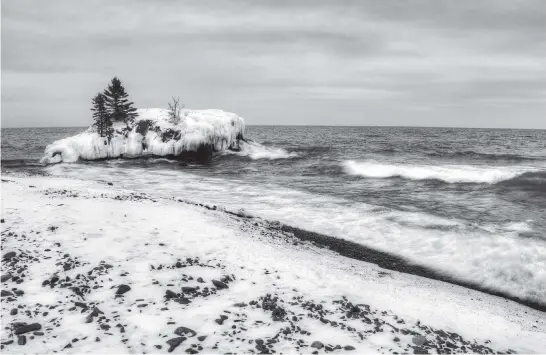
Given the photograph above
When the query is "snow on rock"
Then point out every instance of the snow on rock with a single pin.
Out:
(198, 131)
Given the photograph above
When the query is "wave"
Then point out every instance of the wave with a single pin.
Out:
(464, 154)
(18, 163)
(445, 173)
(529, 181)
(256, 151)
(163, 160)
(470, 154)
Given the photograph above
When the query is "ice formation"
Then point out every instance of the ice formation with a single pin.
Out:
(198, 131)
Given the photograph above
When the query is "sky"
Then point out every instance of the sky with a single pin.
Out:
(463, 63)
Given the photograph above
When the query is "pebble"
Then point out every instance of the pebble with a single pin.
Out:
(25, 328)
(123, 289)
(187, 289)
(219, 284)
(174, 342)
(182, 300)
(9, 255)
(317, 345)
(419, 340)
(185, 331)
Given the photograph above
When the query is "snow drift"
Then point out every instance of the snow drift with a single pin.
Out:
(199, 131)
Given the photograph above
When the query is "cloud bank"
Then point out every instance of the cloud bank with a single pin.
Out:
(426, 63)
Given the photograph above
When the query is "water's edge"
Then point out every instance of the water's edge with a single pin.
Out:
(382, 259)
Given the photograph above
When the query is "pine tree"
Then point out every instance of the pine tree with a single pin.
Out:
(117, 102)
(103, 123)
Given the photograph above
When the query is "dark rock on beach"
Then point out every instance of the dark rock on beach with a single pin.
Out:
(9, 255)
(317, 345)
(221, 320)
(182, 300)
(419, 340)
(123, 289)
(174, 343)
(21, 340)
(219, 284)
(186, 289)
(25, 328)
(80, 304)
(185, 332)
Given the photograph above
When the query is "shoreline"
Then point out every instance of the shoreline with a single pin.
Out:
(380, 258)
(240, 284)
(392, 262)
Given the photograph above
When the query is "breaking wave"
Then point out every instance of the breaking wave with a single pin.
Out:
(461, 155)
(256, 151)
(446, 173)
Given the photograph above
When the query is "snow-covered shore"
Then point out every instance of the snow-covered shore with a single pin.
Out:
(153, 134)
(203, 280)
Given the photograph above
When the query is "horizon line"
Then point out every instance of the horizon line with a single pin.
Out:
(319, 125)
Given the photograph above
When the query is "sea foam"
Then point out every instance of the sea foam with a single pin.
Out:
(256, 151)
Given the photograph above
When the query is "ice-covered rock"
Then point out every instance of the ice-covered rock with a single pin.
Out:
(152, 134)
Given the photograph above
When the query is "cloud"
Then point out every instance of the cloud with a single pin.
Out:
(281, 62)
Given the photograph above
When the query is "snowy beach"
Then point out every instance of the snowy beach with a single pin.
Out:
(92, 267)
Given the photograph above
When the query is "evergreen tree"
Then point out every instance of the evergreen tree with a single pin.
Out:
(117, 102)
(103, 123)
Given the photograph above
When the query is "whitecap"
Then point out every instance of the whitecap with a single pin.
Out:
(256, 151)
(446, 173)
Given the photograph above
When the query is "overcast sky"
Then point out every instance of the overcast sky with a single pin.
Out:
(473, 63)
